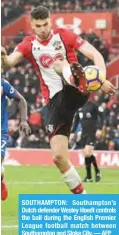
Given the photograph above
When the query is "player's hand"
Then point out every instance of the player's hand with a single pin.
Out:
(24, 128)
(3, 52)
(108, 87)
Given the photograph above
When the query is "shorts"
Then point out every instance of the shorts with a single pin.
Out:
(87, 139)
(61, 109)
(4, 140)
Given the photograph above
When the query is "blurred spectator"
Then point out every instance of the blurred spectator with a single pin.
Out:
(12, 109)
(20, 36)
(107, 138)
(44, 141)
(13, 132)
(97, 43)
(24, 79)
(32, 96)
(101, 143)
(35, 119)
(11, 9)
(36, 140)
(31, 142)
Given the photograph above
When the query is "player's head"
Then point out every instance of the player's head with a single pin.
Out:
(41, 22)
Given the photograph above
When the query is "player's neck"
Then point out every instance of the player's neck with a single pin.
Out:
(45, 40)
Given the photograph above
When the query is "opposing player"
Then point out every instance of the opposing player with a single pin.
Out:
(88, 116)
(7, 91)
(62, 81)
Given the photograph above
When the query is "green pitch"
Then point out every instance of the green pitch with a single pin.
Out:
(46, 180)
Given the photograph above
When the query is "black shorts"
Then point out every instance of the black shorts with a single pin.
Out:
(61, 109)
(87, 139)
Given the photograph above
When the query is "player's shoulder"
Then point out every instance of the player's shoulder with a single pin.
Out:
(69, 37)
(25, 46)
(29, 39)
(4, 82)
(4, 86)
(63, 31)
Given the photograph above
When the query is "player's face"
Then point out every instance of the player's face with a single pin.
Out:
(42, 28)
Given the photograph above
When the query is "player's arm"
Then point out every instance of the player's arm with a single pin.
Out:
(22, 50)
(22, 106)
(12, 59)
(92, 53)
(66, 69)
(24, 127)
(11, 93)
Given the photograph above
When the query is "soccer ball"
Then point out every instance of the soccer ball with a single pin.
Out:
(94, 77)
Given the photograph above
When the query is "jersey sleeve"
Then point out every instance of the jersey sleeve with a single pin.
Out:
(24, 47)
(78, 42)
(9, 90)
(72, 39)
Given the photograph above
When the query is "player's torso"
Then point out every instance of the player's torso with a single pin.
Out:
(4, 115)
(45, 54)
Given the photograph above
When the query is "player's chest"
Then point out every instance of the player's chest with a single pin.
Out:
(45, 55)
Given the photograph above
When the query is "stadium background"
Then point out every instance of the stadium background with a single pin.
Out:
(96, 21)
(100, 28)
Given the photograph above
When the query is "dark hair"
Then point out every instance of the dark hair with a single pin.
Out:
(40, 13)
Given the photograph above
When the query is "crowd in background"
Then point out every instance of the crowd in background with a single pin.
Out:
(100, 44)
(11, 9)
(107, 136)
(24, 79)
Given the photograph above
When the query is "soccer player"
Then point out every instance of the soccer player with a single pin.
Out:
(7, 91)
(62, 81)
(88, 116)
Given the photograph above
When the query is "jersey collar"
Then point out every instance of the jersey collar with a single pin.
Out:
(45, 42)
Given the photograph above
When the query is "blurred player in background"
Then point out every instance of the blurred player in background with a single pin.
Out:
(62, 81)
(89, 116)
(7, 91)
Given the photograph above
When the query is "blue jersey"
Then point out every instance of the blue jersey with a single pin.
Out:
(8, 91)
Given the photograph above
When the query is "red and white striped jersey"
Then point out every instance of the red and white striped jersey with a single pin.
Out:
(61, 44)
